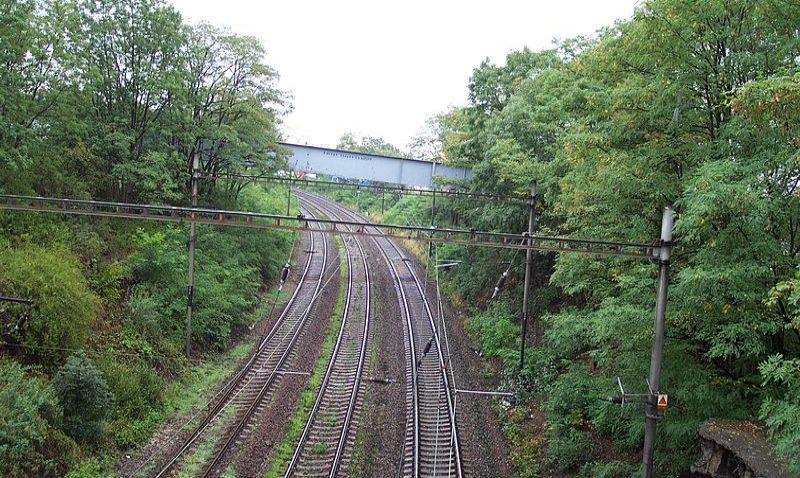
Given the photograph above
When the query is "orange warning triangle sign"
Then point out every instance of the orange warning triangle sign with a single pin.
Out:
(662, 402)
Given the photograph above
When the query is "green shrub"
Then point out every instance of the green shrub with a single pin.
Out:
(138, 400)
(568, 449)
(90, 468)
(494, 329)
(31, 443)
(230, 264)
(613, 469)
(537, 376)
(106, 280)
(84, 396)
(573, 400)
(64, 308)
(781, 409)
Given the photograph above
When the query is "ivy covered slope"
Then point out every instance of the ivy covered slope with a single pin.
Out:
(694, 104)
(110, 100)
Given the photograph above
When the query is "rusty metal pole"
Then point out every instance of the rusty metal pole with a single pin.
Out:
(656, 357)
(433, 208)
(528, 273)
(192, 240)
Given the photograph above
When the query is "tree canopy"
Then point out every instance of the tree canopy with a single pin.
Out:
(368, 144)
(687, 104)
(113, 99)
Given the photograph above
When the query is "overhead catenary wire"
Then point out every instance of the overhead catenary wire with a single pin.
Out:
(216, 217)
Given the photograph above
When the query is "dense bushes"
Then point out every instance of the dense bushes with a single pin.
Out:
(496, 330)
(138, 393)
(781, 377)
(684, 104)
(781, 410)
(129, 316)
(31, 440)
(111, 288)
(230, 265)
(64, 308)
(84, 397)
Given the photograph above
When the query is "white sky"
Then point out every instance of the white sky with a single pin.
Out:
(381, 67)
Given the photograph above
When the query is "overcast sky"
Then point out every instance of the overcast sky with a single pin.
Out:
(381, 67)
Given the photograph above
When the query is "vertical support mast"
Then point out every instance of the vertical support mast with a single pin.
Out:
(656, 357)
(433, 208)
(289, 200)
(192, 239)
(528, 272)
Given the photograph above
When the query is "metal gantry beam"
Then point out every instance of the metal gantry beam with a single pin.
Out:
(217, 217)
(518, 199)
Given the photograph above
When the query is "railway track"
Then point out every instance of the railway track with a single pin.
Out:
(431, 446)
(236, 407)
(326, 443)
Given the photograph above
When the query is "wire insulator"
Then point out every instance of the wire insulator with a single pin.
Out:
(285, 273)
(499, 284)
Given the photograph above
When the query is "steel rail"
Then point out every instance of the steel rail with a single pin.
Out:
(238, 382)
(224, 396)
(218, 217)
(442, 368)
(413, 356)
(334, 360)
(441, 364)
(329, 368)
(249, 412)
(406, 309)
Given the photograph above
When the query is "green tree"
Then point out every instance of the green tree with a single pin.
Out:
(34, 66)
(132, 71)
(368, 144)
(230, 105)
(84, 396)
(685, 104)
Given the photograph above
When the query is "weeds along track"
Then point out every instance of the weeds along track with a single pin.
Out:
(326, 443)
(431, 446)
(233, 413)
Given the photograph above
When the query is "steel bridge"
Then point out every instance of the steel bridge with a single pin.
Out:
(370, 167)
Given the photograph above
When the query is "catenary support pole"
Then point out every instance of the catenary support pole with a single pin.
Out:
(528, 272)
(433, 208)
(656, 357)
(383, 200)
(289, 201)
(192, 239)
